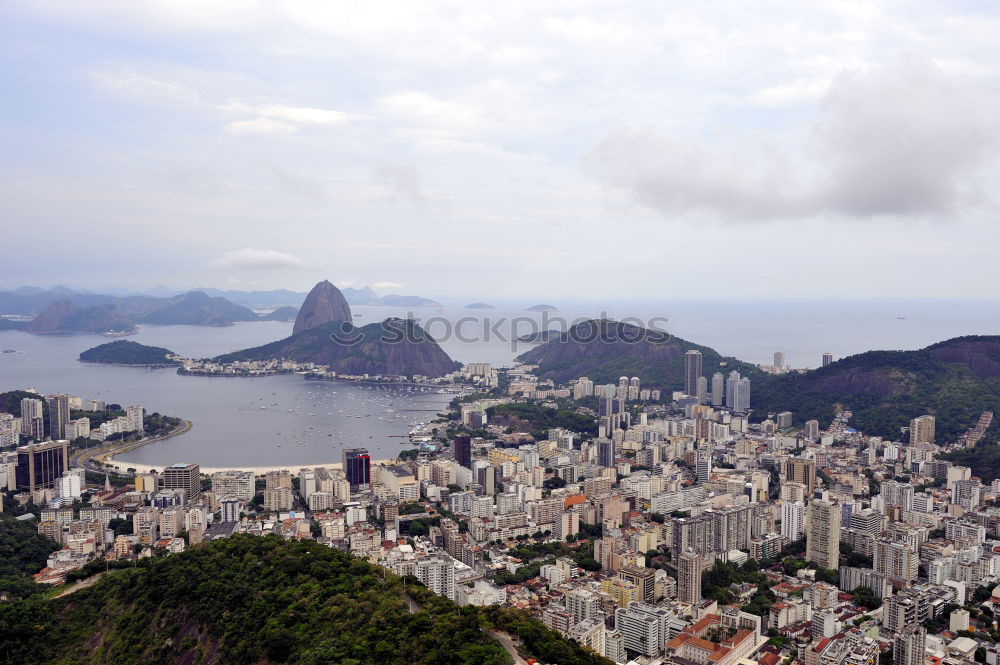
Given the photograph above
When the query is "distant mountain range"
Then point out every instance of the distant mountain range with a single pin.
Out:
(62, 309)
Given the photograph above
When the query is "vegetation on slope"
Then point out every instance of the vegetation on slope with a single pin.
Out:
(125, 352)
(23, 552)
(538, 420)
(605, 350)
(250, 599)
(954, 380)
(394, 347)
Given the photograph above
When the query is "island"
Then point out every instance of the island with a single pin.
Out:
(125, 352)
(286, 313)
(541, 308)
(479, 305)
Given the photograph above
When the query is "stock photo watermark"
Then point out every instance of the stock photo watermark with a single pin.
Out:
(512, 330)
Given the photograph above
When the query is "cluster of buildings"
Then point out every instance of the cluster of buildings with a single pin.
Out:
(848, 547)
(32, 423)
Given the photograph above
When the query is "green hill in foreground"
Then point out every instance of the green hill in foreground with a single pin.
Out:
(125, 352)
(252, 600)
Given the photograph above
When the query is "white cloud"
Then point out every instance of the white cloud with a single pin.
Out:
(903, 139)
(256, 259)
(400, 180)
(261, 126)
(388, 285)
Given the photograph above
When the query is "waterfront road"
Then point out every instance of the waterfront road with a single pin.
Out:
(94, 459)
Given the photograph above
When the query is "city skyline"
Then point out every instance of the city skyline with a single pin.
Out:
(295, 142)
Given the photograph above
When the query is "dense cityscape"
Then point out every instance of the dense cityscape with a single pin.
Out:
(645, 525)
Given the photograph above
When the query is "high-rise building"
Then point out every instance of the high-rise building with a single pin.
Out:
(783, 420)
(811, 430)
(33, 418)
(358, 468)
(239, 484)
(605, 453)
(718, 389)
(827, 359)
(692, 370)
(39, 465)
(909, 647)
(689, 577)
(896, 560)
(230, 509)
(644, 580)
(701, 390)
(793, 517)
(823, 538)
(802, 471)
(134, 415)
(703, 467)
(462, 445)
(779, 359)
(737, 392)
(922, 430)
(58, 415)
(185, 477)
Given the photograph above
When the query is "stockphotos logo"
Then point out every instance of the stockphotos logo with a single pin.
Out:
(511, 330)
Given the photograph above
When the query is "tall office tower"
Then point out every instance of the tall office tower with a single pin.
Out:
(823, 538)
(827, 359)
(922, 430)
(39, 465)
(802, 471)
(605, 453)
(692, 370)
(58, 415)
(689, 577)
(701, 390)
(703, 467)
(779, 359)
(718, 389)
(793, 518)
(910, 646)
(811, 430)
(33, 418)
(358, 468)
(185, 477)
(462, 445)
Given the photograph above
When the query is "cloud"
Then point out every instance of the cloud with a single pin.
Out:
(257, 259)
(388, 285)
(261, 126)
(401, 180)
(903, 139)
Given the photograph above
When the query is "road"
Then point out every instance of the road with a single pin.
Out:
(82, 584)
(86, 458)
(508, 643)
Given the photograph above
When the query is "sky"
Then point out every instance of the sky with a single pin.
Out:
(541, 150)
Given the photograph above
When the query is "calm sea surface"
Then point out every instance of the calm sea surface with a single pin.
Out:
(286, 420)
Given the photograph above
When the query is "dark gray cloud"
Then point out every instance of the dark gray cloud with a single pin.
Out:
(905, 138)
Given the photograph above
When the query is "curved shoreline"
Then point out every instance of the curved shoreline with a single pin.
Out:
(89, 458)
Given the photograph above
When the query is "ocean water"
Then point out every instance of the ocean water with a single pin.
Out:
(310, 422)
